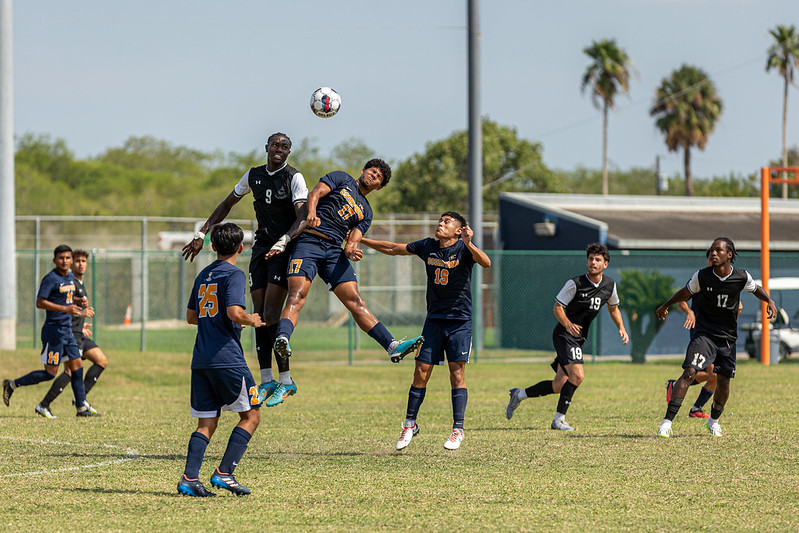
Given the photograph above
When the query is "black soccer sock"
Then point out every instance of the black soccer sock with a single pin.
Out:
(701, 400)
(694, 383)
(673, 408)
(459, 399)
(415, 399)
(92, 375)
(282, 362)
(194, 458)
(78, 388)
(716, 410)
(236, 446)
(57, 388)
(542, 388)
(566, 393)
(264, 341)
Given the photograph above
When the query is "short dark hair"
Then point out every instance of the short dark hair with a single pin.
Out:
(382, 166)
(278, 134)
(598, 249)
(80, 253)
(456, 216)
(60, 249)
(730, 247)
(226, 238)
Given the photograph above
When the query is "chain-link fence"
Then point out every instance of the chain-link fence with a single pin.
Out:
(516, 320)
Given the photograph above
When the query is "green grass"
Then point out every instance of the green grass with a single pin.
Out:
(325, 459)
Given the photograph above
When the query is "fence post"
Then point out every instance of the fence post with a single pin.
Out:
(36, 277)
(144, 287)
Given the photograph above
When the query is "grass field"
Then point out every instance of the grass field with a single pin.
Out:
(325, 459)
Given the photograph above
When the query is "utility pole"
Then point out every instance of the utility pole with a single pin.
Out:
(8, 256)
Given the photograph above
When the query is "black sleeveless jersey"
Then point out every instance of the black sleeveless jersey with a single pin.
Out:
(586, 303)
(273, 204)
(78, 321)
(716, 303)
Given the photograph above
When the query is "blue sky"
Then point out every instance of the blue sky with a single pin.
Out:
(223, 75)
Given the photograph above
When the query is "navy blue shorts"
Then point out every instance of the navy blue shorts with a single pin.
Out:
(215, 389)
(316, 255)
(569, 350)
(453, 337)
(273, 270)
(58, 344)
(704, 350)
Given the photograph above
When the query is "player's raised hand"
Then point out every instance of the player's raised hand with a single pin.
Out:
(191, 250)
(661, 312)
(467, 234)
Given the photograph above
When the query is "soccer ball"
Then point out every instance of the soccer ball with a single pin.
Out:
(325, 102)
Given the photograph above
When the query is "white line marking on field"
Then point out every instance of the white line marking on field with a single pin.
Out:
(130, 455)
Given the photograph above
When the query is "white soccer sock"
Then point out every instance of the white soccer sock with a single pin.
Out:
(560, 416)
(521, 394)
(409, 423)
(666, 423)
(284, 377)
(393, 345)
(711, 421)
(266, 375)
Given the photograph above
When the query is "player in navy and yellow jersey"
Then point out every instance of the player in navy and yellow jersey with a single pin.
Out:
(279, 199)
(576, 306)
(220, 379)
(717, 290)
(88, 348)
(57, 296)
(338, 212)
(449, 259)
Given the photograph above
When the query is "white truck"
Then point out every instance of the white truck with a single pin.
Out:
(782, 291)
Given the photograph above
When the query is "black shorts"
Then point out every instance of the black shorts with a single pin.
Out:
(273, 270)
(84, 344)
(704, 350)
(569, 350)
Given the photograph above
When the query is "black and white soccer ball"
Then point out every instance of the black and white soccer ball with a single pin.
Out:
(325, 102)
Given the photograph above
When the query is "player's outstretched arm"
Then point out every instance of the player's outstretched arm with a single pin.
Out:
(191, 250)
(761, 294)
(386, 247)
(615, 315)
(238, 315)
(479, 256)
(300, 223)
(679, 296)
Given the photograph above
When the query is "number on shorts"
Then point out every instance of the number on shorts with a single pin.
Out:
(209, 305)
(442, 276)
(53, 358)
(699, 360)
(577, 353)
(253, 395)
(294, 266)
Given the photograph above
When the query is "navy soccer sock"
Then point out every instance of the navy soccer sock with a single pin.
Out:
(194, 458)
(57, 388)
(92, 375)
(284, 328)
(566, 394)
(542, 388)
(415, 399)
(78, 387)
(459, 399)
(381, 334)
(37, 376)
(236, 446)
(701, 400)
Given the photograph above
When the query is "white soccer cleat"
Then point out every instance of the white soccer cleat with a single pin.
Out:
(715, 428)
(407, 434)
(44, 411)
(513, 403)
(664, 431)
(561, 425)
(454, 440)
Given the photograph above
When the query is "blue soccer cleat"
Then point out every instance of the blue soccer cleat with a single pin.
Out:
(228, 482)
(265, 390)
(403, 348)
(194, 488)
(282, 392)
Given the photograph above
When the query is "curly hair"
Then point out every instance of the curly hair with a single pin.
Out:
(382, 166)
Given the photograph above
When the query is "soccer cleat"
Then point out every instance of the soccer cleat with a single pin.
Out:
(454, 440)
(88, 413)
(282, 392)
(7, 391)
(698, 413)
(403, 348)
(87, 404)
(561, 425)
(512, 404)
(44, 411)
(669, 389)
(664, 431)
(407, 434)
(715, 428)
(193, 488)
(228, 482)
(282, 347)
(265, 390)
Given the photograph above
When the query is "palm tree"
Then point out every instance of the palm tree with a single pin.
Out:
(783, 55)
(687, 107)
(607, 75)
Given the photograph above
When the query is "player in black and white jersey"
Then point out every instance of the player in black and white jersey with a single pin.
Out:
(88, 348)
(576, 306)
(280, 201)
(717, 290)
